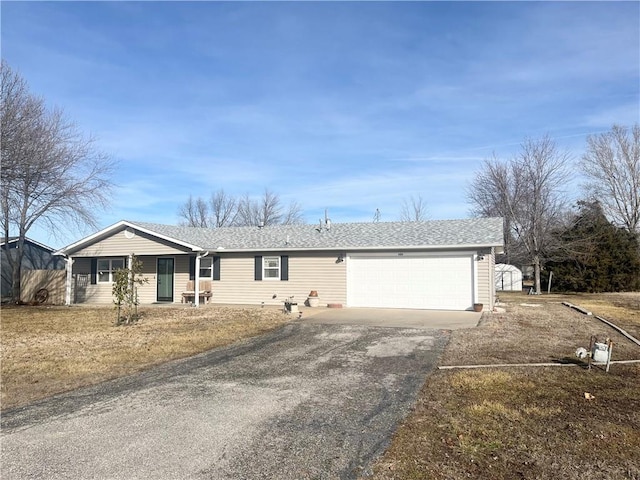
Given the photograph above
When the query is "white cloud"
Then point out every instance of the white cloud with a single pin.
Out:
(627, 114)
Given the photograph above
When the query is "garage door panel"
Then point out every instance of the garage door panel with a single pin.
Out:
(431, 282)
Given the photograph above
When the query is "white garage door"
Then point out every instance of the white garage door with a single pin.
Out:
(438, 282)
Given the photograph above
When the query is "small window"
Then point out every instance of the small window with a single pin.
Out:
(107, 267)
(271, 268)
(206, 267)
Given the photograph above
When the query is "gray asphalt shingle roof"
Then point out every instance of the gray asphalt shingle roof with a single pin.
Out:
(480, 232)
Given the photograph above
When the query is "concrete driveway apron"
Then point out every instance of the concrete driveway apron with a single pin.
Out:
(395, 317)
(305, 401)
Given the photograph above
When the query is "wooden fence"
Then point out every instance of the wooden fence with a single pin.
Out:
(33, 281)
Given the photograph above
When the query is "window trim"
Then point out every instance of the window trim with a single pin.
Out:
(110, 271)
(265, 268)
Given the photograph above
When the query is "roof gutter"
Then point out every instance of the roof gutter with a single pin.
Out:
(349, 248)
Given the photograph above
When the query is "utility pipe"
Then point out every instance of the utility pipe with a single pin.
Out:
(575, 307)
(604, 320)
(612, 325)
(500, 365)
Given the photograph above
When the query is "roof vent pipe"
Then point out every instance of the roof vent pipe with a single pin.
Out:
(327, 220)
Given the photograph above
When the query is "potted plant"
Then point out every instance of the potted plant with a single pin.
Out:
(477, 307)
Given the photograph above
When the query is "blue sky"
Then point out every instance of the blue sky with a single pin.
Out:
(349, 106)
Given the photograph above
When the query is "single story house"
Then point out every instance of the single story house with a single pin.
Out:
(36, 256)
(440, 264)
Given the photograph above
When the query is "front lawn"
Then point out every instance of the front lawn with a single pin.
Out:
(48, 350)
(531, 423)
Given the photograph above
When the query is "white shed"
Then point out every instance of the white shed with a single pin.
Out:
(508, 278)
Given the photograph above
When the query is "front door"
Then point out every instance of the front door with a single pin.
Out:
(165, 279)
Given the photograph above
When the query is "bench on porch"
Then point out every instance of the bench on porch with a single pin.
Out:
(189, 294)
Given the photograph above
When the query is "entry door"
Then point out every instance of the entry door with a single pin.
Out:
(165, 279)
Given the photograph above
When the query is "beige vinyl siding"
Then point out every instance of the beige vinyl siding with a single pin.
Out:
(100, 293)
(147, 291)
(82, 290)
(119, 245)
(307, 271)
(485, 280)
(181, 277)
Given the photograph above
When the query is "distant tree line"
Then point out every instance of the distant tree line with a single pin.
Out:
(592, 247)
(224, 210)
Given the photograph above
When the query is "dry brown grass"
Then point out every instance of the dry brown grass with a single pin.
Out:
(48, 350)
(541, 329)
(532, 423)
(623, 309)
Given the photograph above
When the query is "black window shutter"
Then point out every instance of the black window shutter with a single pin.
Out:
(258, 268)
(94, 271)
(284, 267)
(192, 268)
(216, 268)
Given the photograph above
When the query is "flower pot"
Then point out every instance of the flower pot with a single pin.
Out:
(477, 307)
(313, 293)
(313, 301)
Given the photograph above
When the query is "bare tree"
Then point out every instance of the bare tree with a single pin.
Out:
(491, 193)
(52, 175)
(267, 210)
(195, 212)
(414, 209)
(293, 214)
(247, 211)
(527, 192)
(612, 164)
(224, 209)
(220, 211)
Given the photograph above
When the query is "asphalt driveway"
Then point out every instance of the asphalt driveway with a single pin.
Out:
(306, 401)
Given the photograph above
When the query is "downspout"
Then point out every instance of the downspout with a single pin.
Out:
(196, 281)
(69, 267)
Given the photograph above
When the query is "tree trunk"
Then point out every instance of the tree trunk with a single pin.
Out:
(15, 279)
(536, 271)
(15, 256)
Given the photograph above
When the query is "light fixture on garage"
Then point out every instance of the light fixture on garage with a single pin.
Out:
(480, 257)
(340, 258)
